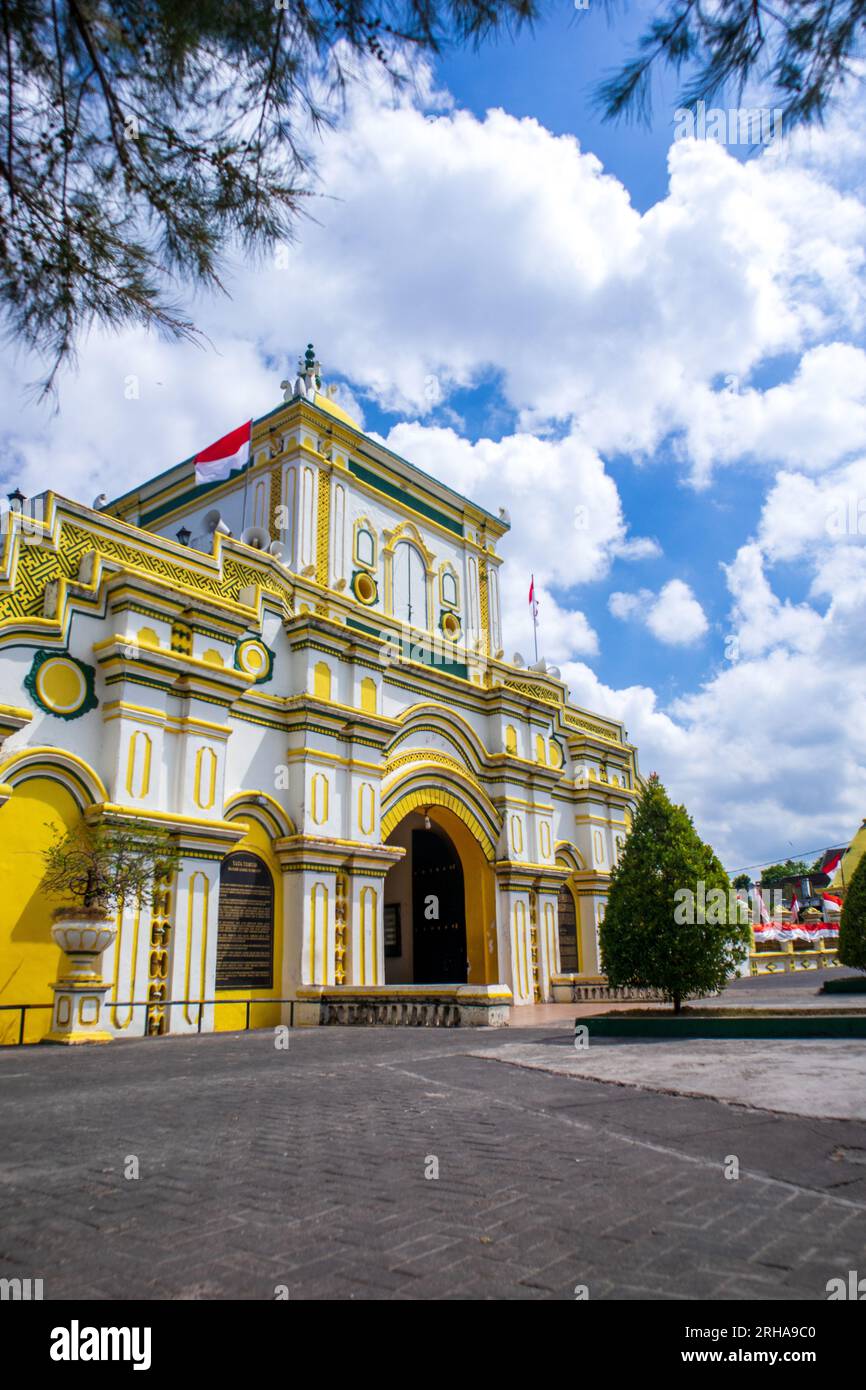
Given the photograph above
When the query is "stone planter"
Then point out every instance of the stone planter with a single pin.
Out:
(80, 991)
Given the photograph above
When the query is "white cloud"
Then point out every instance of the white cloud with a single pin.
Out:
(566, 515)
(461, 249)
(762, 621)
(676, 617)
(802, 515)
(811, 422)
(673, 615)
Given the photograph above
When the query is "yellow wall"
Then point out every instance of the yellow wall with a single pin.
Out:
(231, 1018)
(28, 957)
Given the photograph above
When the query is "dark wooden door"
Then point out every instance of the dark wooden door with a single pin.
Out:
(438, 911)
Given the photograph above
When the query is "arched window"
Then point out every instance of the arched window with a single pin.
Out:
(448, 587)
(365, 546)
(410, 585)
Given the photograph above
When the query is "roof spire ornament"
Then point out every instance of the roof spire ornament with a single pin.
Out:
(309, 378)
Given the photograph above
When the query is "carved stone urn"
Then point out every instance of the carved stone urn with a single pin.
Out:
(80, 991)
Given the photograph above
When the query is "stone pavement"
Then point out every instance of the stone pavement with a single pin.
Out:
(305, 1168)
(826, 1079)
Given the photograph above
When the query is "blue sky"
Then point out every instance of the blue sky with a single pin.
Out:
(550, 73)
(663, 336)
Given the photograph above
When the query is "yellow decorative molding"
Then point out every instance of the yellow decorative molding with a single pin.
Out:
(319, 928)
(579, 721)
(323, 529)
(78, 777)
(369, 921)
(320, 797)
(66, 546)
(190, 1009)
(322, 680)
(366, 808)
(205, 777)
(138, 765)
(369, 695)
(430, 755)
(418, 800)
(484, 602)
(534, 691)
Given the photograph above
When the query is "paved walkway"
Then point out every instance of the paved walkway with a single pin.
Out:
(826, 1079)
(310, 1169)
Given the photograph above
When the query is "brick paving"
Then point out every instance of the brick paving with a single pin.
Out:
(304, 1169)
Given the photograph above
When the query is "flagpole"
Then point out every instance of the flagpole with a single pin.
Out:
(246, 489)
(534, 605)
(247, 471)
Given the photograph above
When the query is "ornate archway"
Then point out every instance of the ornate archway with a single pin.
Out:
(447, 844)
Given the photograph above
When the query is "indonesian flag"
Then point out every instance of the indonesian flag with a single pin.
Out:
(765, 916)
(533, 602)
(831, 902)
(795, 907)
(231, 452)
(832, 861)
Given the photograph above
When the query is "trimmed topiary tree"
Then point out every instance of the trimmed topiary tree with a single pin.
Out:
(852, 923)
(670, 923)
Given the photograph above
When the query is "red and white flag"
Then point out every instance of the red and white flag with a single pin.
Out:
(795, 907)
(227, 454)
(765, 916)
(832, 860)
(832, 903)
(533, 602)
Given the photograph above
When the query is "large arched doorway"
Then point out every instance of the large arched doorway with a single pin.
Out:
(425, 907)
(445, 870)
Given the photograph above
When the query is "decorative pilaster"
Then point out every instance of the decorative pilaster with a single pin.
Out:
(274, 500)
(341, 912)
(484, 603)
(160, 938)
(323, 529)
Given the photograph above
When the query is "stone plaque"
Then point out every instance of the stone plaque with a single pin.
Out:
(245, 929)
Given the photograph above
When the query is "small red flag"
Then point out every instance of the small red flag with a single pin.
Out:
(231, 452)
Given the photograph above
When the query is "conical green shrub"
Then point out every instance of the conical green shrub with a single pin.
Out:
(852, 923)
(650, 938)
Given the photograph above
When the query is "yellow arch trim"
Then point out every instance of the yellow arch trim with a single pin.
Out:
(481, 819)
(78, 777)
(408, 531)
(262, 808)
(453, 727)
(569, 856)
(432, 757)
